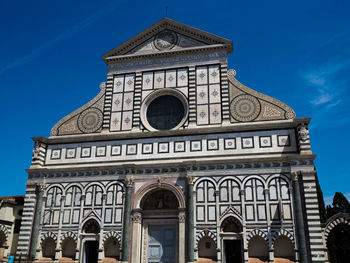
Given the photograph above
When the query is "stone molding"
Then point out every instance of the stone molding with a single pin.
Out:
(337, 219)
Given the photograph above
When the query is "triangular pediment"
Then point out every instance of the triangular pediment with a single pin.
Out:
(167, 36)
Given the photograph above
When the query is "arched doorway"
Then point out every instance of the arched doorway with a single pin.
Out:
(231, 237)
(258, 250)
(283, 250)
(159, 217)
(90, 235)
(48, 249)
(111, 250)
(338, 244)
(69, 247)
(206, 250)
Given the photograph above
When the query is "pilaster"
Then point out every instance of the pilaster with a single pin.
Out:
(126, 222)
(190, 235)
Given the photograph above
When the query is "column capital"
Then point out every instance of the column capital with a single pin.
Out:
(295, 175)
(129, 181)
(190, 179)
(182, 217)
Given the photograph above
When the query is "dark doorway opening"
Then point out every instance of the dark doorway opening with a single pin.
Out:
(91, 251)
(233, 251)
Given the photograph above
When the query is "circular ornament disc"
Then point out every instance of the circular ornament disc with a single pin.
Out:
(90, 120)
(165, 40)
(245, 108)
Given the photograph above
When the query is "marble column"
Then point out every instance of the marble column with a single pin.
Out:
(299, 219)
(190, 234)
(126, 221)
(36, 222)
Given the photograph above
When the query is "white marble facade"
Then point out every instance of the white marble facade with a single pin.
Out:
(228, 176)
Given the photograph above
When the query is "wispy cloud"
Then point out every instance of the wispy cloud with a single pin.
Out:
(326, 85)
(69, 32)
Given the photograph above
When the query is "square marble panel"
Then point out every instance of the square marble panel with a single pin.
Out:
(182, 77)
(214, 93)
(283, 140)
(70, 153)
(179, 147)
(214, 74)
(147, 80)
(196, 146)
(127, 120)
(118, 84)
(159, 79)
(56, 154)
(202, 114)
(129, 82)
(131, 149)
(163, 147)
(85, 152)
(212, 144)
(201, 75)
(117, 102)
(116, 150)
(100, 151)
(170, 78)
(202, 94)
(229, 143)
(247, 142)
(265, 141)
(128, 101)
(116, 121)
(147, 148)
(215, 113)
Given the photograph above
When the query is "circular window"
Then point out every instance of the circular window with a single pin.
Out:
(164, 109)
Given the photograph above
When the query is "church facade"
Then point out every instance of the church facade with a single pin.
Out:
(173, 161)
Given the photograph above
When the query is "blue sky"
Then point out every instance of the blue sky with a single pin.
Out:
(295, 51)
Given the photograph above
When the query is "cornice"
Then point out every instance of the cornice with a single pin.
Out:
(259, 161)
(237, 127)
(167, 53)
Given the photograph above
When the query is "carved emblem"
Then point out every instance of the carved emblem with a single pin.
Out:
(245, 108)
(165, 40)
(90, 120)
(303, 133)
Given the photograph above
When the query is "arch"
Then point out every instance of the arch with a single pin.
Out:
(48, 249)
(91, 226)
(231, 224)
(159, 199)
(205, 233)
(161, 185)
(55, 185)
(283, 248)
(282, 176)
(92, 184)
(282, 232)
(74, 184)
(48, 235)
(206, 249)
(112, 234)
(334, 221)
(69, 247)
(205, 179)
(111, 249)
(115, 182)
(253, 177)
(257, 232)
(69, 234)
(222, 179)
(258, 249)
